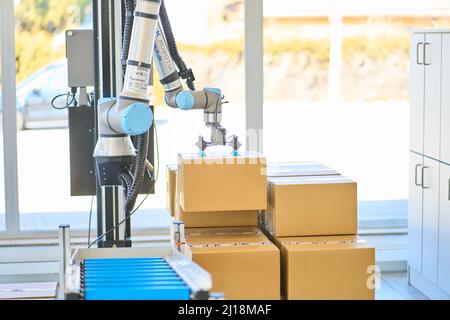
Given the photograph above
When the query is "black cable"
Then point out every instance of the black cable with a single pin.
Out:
(127, 181)
(138, 172)
(127, 29)
(153, 179)
(185, 72)
(125, 219)
(68, 103)
(90, 218)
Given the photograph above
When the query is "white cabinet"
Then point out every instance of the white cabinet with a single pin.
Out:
(432, 97)
(430, 220)
(445, 99)
(425, 108)
(417, 80)
(429, 193)
(415, 205)
(423, 215)
(444, 230)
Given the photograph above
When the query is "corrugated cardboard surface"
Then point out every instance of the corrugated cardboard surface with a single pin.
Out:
(171, 174)
(222, 182)
(307, 206)
(297, 169)
(243, 263)
(218, 218)
(329, 268)
(239, 218)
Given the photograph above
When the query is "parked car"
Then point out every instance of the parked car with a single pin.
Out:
(20, 114)
(36, 92)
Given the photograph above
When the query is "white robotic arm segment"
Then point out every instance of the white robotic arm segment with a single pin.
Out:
(141, 49)
(129, 114)
(208, 99)
(175, 96)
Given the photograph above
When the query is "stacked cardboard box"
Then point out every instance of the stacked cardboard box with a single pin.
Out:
(308, 206)
(312, 218)
(217, 191)
(325, 268)
(171, 182)
(222, 182)
(295, 169)
(204, 219)
(243, 263)
(308, 211)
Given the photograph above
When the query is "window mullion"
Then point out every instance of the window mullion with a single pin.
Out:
(8, 76)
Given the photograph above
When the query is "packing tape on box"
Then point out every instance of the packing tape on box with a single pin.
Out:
(238, 244)
(324, 242)
(224, 233)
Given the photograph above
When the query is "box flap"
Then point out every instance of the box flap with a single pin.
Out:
(309, 180)
(307, 168)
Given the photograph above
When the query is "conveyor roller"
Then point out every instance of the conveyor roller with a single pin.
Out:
(131, 279)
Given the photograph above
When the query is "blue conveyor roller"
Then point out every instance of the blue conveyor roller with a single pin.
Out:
(132, 279)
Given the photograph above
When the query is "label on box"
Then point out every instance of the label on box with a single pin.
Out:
(238, 244)
(223, 233)
(324, 242)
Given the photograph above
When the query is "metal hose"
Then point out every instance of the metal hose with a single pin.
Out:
(127, 181)
(138, 172)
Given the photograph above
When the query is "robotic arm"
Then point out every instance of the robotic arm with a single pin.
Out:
(120, 163)
(208, 99)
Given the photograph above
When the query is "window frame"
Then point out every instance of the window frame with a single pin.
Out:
(253, 38)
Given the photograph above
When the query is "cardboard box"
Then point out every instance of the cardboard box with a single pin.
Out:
(327, 268)
(171, 180)
(309, 206)
(243, 263)
(299, 169)
(218, 218)
(295, 169)
(240, 218)
(222, 182)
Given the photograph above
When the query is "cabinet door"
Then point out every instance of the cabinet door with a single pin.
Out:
(444, 229)
(432, 115)
(430, 222)
(417, 80)
(415, 212)
(445, 99)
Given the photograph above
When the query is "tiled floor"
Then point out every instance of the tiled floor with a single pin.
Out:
(394, 286)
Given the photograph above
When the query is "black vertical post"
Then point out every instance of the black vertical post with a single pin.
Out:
(105, 87)
(95, 6)
(106, 77)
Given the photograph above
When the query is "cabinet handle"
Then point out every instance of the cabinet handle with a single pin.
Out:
(427, 44)
(422, 176)
(415, 175)
(418, 45)
(449, 189)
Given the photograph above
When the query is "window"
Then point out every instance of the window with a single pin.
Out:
(43, 141)
(337, 91)
(212, 45)
(6, 103)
